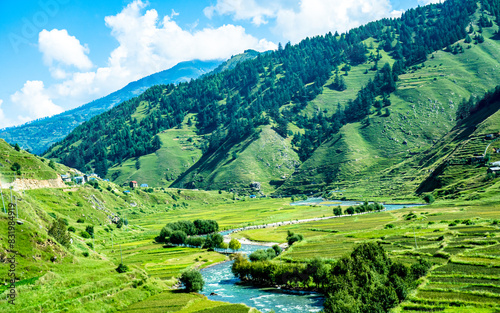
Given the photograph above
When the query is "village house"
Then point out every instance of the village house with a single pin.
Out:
(133, 184)
(494, 170)
(66, 178)
(80, 180)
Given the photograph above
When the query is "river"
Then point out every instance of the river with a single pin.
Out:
(220, 280)
(321, 201)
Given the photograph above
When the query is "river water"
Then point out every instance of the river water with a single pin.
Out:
(319, 201)
(220, 280)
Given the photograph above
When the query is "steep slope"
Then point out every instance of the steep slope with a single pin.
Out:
(377, 157)
(39, 135)
(256, 164)
(392, 104)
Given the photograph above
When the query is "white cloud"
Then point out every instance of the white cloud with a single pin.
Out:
(295, 21)
(147, 44)
(34, 101)
(4, 122)
(59, 46)
(316, 17)
(426, 2)
(242, 10)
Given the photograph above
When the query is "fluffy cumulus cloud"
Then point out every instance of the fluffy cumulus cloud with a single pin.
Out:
(242, 10)
(4, 122)
(148, 43)
(309, 18)
(320, 16)
(57, 46)
(33, 100)
(426, 2)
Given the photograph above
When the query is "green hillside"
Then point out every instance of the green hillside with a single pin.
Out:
(265, 158)
(39, 135)
(381, 151)
(30, 166)
(337, 112)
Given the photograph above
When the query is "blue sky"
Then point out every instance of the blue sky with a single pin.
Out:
(60, 54)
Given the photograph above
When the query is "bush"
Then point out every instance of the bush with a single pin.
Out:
(85, 254)
(292, 238)
(122, 268)
(165, 233)
(90, 230)
(80, 220)
(59, 233)
(262, 255)
(178, 237)
(71, 229)
(429, 198)
(84, 234)
(195, 241)
(192, 281)
(277, 249)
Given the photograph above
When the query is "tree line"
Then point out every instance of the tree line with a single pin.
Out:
(231, 104)
(367, 280)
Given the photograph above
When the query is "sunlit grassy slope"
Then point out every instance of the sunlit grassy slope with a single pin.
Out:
(263, 157)
(372, 158)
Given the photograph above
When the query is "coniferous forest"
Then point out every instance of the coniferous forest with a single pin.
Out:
(271, 89)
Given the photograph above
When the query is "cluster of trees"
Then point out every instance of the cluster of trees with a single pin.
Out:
(291, 238)
(189, 228)
(59, 232)
(469, 107)
(364, 281)
(190, 233)
(231, 104)
(265, 254)
(365, 207)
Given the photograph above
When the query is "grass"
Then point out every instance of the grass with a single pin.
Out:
(264, 157)
(465, 276)
(179, 151)
(173, 301)
(387, 158)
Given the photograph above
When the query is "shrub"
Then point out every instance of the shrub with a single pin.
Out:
(59, 233)
(85, 254)
(165, 233)
(71, 229)
(292, 238)
(84, 234)
(122, 268)
(90, 230)
(80, 220)
(429, 198)
(192, 281)
(178, 237)
(277, 249)
(234, 244)
(262, 255)
(388, 226)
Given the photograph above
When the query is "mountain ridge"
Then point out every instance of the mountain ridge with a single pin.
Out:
(300, 93)
(51, 129)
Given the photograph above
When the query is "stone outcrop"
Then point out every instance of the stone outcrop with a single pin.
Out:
(26, 184)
